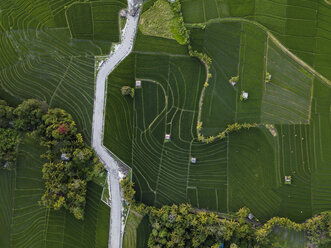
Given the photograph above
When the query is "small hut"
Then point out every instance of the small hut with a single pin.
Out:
(193, 160)
(245, 95)
(138, 84)
(288, 179)
(167, 136)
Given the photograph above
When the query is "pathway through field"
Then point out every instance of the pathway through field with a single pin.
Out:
(114, 59)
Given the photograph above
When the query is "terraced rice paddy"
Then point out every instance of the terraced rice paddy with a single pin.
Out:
(302, 26)
(26, 224)
(137, 231)
(95, 20)
(39, 58)
(248, 167)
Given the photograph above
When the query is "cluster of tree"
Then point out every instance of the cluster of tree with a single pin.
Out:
(177, 26)
(235, 127)
(202, 56)
(9, 140)
(317, 229)
(9, 136)
(183, 226)
(234, 80)
(127, 91)
(70, 162)
(128, 190)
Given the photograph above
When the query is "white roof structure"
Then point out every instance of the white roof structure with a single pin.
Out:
(65, 157)
(193, 160)
(123, 13)
(138, 83)
(250, 216)
(245, 95)
(233, 83)
(167, 136)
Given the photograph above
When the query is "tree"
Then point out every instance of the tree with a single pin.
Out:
(6, 114)
(9, 140)
(127, 189)
(127, 91)
(28, 115)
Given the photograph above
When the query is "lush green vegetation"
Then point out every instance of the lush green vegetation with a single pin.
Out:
(127, 189)
(156, 21)
(247, 167)
(24, 223)
(70, 163)
(9, 140)
(183, 226)
(164, 19)
(97, 20)
(41, 60)
(137, 231)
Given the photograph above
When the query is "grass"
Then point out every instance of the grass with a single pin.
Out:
(156, 21)
(137, 231)
(26, 224)
(7, 186)
(283, 238)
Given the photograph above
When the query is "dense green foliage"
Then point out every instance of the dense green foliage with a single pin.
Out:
(317, 229)
(6, 114)
(127, 189)
(9, 140)
(70, 165)
(24, 223)
(183, 226)
(180, 226)
(41, 60)
(164, 19)
(157, 20)
(178, 29)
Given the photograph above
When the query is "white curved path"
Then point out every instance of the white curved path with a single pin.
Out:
(122, 51)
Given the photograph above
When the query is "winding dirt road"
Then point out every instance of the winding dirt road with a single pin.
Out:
(114, 59)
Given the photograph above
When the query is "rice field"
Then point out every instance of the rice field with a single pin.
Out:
(248, 167)
(302, 26)
(95, 20)
(40, 58)
(137, 231)
(26, 224)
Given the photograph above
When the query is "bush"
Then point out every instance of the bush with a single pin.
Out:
(127, 91)
(9, 140)
(127, 189)
(6, 114)
(28, 115)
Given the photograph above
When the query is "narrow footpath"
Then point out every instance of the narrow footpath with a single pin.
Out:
(114, 59)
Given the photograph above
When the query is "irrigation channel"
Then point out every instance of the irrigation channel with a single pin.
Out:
(108, 65)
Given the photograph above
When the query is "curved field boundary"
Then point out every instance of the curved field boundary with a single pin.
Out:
(276, 42)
